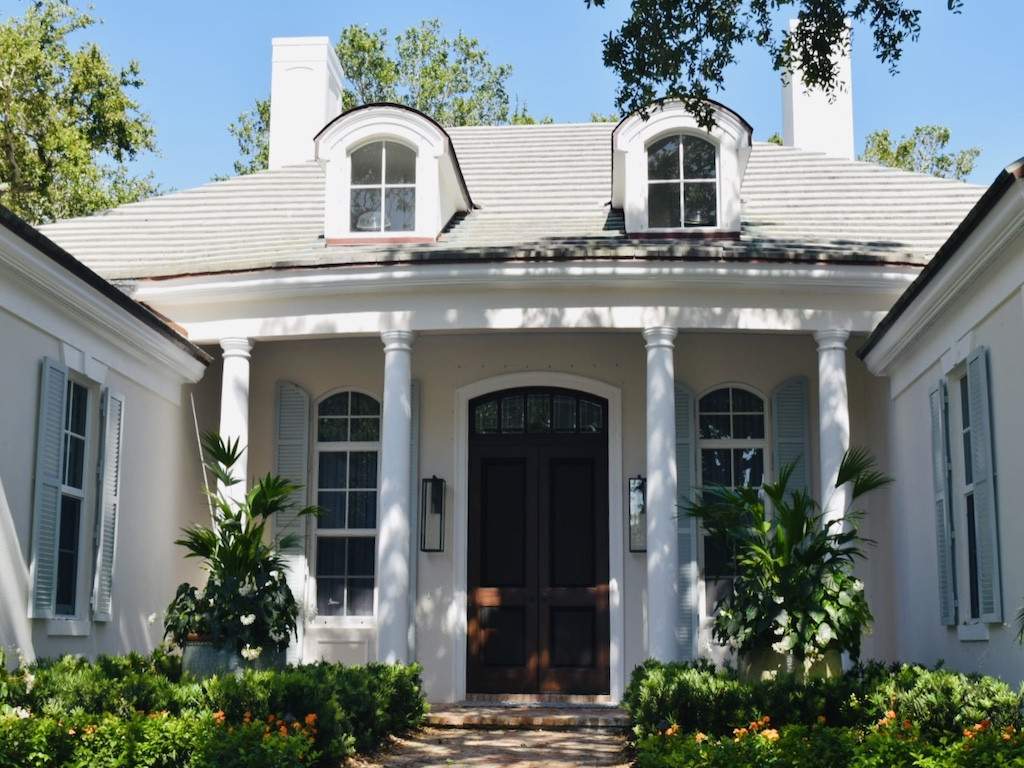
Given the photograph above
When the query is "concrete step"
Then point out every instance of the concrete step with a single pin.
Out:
(539, 716)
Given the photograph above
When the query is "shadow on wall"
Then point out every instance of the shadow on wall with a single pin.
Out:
(15, 632)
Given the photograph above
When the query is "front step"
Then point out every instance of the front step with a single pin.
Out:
(534, 716)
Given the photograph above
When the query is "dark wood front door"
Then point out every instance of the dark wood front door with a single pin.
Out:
(538, 543)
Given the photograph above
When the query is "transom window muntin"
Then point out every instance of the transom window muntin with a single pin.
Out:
(538, 411)
(72, 500)
(382, 194)
(347, 482)
(682, 182)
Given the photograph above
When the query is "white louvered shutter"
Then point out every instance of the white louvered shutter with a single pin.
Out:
(791, 431)
(686, 526)
(291, 461)
(109, 507)
(46, 500)
(414, 508)
(986, 518)
(943, 522)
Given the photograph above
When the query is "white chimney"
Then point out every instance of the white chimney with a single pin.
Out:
(305, 95)
(810, 120)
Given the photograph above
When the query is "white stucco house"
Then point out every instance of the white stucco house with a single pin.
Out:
(479, 349)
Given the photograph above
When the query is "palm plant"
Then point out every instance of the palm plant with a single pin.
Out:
(794, 590)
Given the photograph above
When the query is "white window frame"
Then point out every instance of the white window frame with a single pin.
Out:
(348, 446)
(682, 182)
(383, 186)
(960, 491)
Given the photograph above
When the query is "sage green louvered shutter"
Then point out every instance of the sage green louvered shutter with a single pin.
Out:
(686, 526)
(291, 447)
(414, 508)
(986, 518)
(791, 431)
(46, 500)
(109, 507)
(943, 522)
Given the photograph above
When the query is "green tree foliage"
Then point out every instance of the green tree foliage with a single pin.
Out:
(922, 152)
(600, 117)
(452, 79)
(776, 138)
(680, 49)
(69, 122)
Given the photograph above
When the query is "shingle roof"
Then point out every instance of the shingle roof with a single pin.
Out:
(543, 193)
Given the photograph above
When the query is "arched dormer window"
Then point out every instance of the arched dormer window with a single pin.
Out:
(383, 188)
(682, 183)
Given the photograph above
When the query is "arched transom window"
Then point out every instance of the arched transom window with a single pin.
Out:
(347, 450)
(682, 187)
(383, 188)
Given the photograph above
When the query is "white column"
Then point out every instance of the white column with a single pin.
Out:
(234, 403)
(833, 419)
(662, 554)
(393, 525)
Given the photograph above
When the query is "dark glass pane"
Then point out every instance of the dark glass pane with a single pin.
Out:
(663, 159)
(538, 413)
(362, 469)
(591, 416)
(335, 405)
(401, 164)
(748, 426)
(79, 396)
(362, 509)
(663, 205)
(333, 505)
(565, 413)
(965, 410)
(364, 405)
(512, 415)
(718, 558)
(75, 466)
(485, 417)
(366, 164)
(715, 402)
(400, 209)
(330, 596)
(573, 637)
(366, 430)
(748, 466)
(67, 554)
(332, 469)
(746, 401)
(972, 558)
(365, 210)
(715, 427)
(698, 158)
(701, 204)
(330, 556)
(968, 465)
(504, 636)
(332, 430)
(715, 467)
(361, 556)
(360, 597)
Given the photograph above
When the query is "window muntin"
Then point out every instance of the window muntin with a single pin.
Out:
(682, 183)
(76, 410)
(538, 411)
(966, 492)
(383, 188)
(347, 482)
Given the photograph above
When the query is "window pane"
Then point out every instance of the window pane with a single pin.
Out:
(67, 554)
(538, 413)
(965, 411)
(362, 509)
(360, 597)
(79, 397)
(364, 405)
(715, 427)
(715, 467)
(663, 205)
(75, 461)
(486, 417)
(335, 405)
(333, 505)
(366, 164)
(698, 158)
(365, 210)
(748, 466)
(400, 209)
(565, 413)
(591, 416)
(362, 469)
(972, 558)
(748, 427)
(663, 159)
(332, 469)
(366, 430)
(715, 402)
(361, 556)
(968, 464)
(330, 556)
(332, 430)
(401, 162)
(512, 414)
(718, 558)
(700, 204)
(330, 596)
(746, 401)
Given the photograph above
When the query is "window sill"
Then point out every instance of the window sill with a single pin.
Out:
(972, 633)
(68, 627)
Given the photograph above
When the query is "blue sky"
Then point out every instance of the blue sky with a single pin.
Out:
(204, 62)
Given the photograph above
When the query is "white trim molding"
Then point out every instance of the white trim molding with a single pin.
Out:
(455, 622)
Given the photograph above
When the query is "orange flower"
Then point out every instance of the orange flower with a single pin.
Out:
(311, 719)
(907, 725)
(672, 730)
(739, 733)
(771, 734)
(700, 737)
(283, 730)
(218, 717)
(821, 720)
(247, 717)
(890, 715)
(1008, 732)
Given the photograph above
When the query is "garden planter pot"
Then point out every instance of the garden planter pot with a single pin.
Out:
(202, 659)
(765, 665)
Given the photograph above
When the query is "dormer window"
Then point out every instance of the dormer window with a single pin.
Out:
(682, 183)
(383, 188)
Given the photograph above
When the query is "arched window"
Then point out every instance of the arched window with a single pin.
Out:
(383, 188)
(347, 450)
(682, 186)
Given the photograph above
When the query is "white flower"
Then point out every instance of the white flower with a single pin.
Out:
(151, 618)
(21, 713)
(249, 653)
(273, 574)
(30, 680)
(248, 619)
(245, 589)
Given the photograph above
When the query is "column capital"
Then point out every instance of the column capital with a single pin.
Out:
(660, 336)
(236, 346)
(397, 340)
(832, 338)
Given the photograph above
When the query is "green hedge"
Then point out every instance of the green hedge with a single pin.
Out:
(141, 711)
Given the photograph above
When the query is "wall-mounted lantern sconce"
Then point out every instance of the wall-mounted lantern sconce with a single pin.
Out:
(432, 515)
(638, 514)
